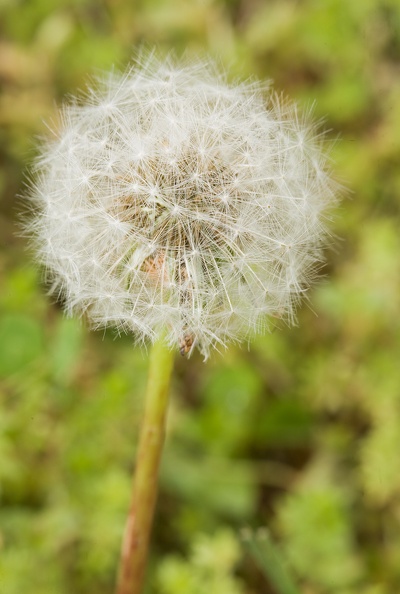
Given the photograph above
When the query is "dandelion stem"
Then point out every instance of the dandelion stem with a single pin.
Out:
(151, 439)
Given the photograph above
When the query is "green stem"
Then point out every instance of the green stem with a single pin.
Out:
(151, 439)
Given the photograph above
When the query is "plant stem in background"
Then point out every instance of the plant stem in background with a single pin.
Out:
(151, 439)
(269, 559)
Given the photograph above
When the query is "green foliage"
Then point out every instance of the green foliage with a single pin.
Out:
(317, 523)
(270, 560)
(209, 567)
(299, 433)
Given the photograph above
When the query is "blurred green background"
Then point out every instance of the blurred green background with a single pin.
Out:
(301, 433)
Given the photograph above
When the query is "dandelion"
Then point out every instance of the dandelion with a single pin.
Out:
(186, 210)
(174, 202)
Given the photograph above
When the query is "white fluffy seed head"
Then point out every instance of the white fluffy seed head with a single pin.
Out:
(171, 201)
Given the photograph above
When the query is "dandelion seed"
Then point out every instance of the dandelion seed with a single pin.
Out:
(172, 201)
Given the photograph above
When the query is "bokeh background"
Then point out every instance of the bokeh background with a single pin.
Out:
(301, 433)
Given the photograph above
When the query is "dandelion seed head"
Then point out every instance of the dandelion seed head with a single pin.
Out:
(173, 201)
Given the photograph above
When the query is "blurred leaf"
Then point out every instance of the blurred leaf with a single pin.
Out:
(209, 569)
(225, 486)
(379, 456)
(66, 349)
(21, 342)
(316, 524)
(269, 559)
